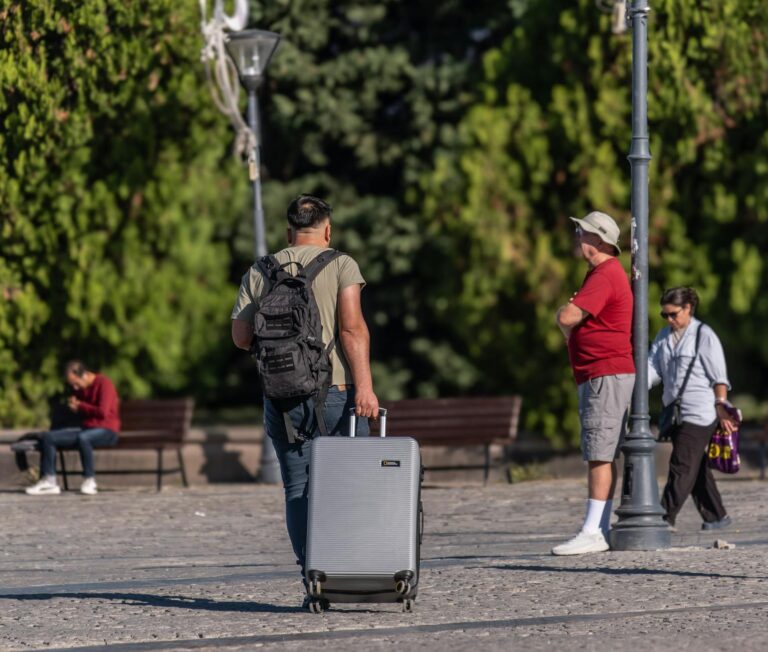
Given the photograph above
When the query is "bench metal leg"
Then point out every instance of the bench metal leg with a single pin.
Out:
(487, 468)
(159, 469)
(508, 464)
(181, 467)
(63, 470)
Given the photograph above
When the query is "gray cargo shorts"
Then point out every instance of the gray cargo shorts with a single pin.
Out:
(604, 411)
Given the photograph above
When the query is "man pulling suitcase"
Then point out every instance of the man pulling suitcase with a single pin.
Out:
(310, 382)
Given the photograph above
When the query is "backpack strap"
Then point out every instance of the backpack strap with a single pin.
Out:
(268, 266)
(319, 401)
(320, 411)
(312, 270)
(289, 429)
(320, 261)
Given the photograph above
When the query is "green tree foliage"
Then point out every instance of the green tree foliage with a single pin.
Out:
(113, 163)
(359, 97)
(453, 138)
(549, 139)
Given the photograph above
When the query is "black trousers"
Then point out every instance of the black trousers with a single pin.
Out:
(690, 475)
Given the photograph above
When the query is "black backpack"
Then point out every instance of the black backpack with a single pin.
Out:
(293, 362)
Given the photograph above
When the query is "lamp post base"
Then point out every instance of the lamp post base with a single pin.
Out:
(639, 537)
(641, 525)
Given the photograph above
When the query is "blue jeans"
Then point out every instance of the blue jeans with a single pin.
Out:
(294, 458)
(83, 440)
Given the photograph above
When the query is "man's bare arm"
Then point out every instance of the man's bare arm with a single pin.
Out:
(355, 340)
(242, 334)
(569, 317)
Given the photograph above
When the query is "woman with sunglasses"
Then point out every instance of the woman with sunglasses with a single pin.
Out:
(688, 343)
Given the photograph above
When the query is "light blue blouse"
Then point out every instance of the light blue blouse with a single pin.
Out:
(668, 365)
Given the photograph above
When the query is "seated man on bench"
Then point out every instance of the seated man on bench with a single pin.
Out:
(95, 401)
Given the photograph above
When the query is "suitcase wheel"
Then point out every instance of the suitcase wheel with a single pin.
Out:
(315, 588)
(408, 605)
(403, 587)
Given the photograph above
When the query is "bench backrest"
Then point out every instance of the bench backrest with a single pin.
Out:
(169, 418)
(446, 421)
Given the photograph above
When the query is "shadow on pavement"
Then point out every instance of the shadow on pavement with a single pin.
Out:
(622, 571)
(149, 600)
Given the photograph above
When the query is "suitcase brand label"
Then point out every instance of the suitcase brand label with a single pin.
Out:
(390, 462)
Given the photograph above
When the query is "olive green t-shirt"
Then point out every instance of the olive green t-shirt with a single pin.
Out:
(333, 278)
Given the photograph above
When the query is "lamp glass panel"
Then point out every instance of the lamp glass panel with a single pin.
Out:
(252, 54)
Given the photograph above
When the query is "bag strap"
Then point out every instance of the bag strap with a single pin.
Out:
(268, 266)
(319, 262)
(300, 271)
(320, 410)
(319, 401)
(690, 366)
(313, 269)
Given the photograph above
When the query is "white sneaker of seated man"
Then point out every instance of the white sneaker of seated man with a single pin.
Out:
(89, 487)
(47, 485)
(583, 543)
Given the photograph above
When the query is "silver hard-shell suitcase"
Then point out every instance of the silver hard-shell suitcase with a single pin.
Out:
(365, 519)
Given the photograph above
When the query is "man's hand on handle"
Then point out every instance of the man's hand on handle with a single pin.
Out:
(366, 404)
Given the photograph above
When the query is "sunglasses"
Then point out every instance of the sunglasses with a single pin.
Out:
(670, 315)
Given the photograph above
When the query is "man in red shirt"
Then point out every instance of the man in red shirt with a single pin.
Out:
(597, 325)
(95, 400)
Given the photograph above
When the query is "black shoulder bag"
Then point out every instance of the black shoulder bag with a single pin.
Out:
(670, 419)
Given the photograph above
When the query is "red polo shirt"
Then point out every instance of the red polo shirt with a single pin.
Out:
(99, 404)
(602, 344)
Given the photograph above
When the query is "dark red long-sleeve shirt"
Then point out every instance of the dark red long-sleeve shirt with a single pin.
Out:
(99, 404)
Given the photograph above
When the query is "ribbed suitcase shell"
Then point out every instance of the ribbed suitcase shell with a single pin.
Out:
(363, 525)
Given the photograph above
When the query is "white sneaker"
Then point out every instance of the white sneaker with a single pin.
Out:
(89, 487)
(43, 487)
(582, 543)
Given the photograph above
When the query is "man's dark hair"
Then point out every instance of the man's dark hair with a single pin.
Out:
(77, 367)
(680, 297)
(307, 211)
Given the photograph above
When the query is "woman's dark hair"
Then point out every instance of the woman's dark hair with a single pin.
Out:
(76, 367)
(680, 297)
(307, 211)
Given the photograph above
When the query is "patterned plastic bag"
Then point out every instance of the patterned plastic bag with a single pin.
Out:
(723, 449)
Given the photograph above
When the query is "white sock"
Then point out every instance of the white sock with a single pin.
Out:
(50, 478)
(595, 509)
(605, 522)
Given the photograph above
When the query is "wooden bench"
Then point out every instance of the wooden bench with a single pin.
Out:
(150, 424)
(463, 421)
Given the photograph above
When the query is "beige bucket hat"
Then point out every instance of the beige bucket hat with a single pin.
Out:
(602, 225)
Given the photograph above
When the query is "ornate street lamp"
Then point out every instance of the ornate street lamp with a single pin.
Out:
(251, 51)
(640, 525)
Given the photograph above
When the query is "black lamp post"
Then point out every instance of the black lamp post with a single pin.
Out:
(251, 51)
(640, 525)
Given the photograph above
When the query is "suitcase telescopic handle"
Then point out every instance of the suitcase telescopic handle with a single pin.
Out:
(382, 419)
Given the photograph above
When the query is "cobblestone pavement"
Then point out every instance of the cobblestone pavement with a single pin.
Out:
(210, 568)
